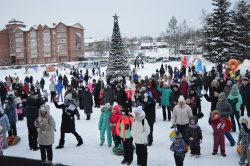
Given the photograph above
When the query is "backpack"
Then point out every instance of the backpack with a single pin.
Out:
(180, 148)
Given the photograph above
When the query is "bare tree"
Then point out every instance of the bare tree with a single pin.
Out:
(172, 35)
(100, 48)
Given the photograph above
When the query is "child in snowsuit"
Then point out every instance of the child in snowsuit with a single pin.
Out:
(19, 108)
(123, 129)
(140, 131)
(194, 134)
(104, 124)
(114, 118)
(178, 147)
(219, 138)
(5, 124)
(244, 138)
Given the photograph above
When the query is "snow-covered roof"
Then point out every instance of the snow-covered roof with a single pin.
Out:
(22, 29)
(94, 40)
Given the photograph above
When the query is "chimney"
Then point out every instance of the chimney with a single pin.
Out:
(54, 24)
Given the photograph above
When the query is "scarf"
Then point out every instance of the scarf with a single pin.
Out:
(193, 126)
(235, 93)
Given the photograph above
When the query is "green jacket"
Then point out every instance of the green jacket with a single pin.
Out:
(165, 94)
(235, 101)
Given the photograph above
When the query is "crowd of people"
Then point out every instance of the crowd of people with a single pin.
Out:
(178, 92)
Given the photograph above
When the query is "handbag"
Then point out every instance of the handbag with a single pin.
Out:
(200, 115)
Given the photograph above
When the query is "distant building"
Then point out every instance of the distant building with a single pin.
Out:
(153, 45)
(40, 44)
(91, 45)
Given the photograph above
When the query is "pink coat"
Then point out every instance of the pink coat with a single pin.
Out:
(90, 87)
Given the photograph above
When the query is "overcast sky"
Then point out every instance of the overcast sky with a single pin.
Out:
(136, 17)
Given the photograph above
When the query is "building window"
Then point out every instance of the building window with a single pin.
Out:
(48, 59)
(60, 29)
(62, 52)
(18, 45)
(63, 46)
(61, 41)
(61, 35)
(19, 40)
(18, 34)
(19, 49)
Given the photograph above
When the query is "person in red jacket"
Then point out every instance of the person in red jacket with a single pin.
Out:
(152, 90)
(184, 87)
(129, 97)
(114, 118)
(26, 88)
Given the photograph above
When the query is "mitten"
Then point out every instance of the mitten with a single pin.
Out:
(174, 125)
(191, 138)
(8, 128)
(219, 125)
(222, 126)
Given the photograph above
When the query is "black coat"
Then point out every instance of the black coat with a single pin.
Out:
(65, 81)
(87, 102)
(121, 98)
(109, 94)
(174, 96)
(31, 112)
(80, 97)
(68, 120)
(2, 92)
(245, 93)
(149, 109)
(42, 82)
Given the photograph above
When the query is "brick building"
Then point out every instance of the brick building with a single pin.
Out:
(40, 44)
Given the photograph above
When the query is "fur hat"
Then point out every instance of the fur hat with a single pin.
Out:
(181, 99)
(246, 120)
(138, 110)
(178, 135)
(107, 105)
(68, 96)
(116, 107)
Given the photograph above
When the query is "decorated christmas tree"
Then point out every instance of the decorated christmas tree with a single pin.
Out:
(118, 57)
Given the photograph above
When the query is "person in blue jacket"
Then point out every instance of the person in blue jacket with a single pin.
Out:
(59, 87)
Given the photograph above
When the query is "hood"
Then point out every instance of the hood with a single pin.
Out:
(213, 113)
(195, 119)
(141, 116)
(47, 108)
(222, 96)
(245, 118)
(30, 101)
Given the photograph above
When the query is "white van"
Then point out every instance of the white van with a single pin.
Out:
(151, 60)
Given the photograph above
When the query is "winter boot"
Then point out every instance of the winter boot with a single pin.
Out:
(80, 142)
(214, 152)
(61, 144)
(88, 117)
(223, 153)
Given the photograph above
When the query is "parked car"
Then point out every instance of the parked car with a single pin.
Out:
(158, 59)
(175, 58)
(165, 59)
(151, 60)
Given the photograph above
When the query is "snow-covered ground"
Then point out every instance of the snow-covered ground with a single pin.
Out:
(91, 154)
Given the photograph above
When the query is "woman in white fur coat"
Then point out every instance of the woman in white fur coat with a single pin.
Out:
(45, 127)
(140, 131)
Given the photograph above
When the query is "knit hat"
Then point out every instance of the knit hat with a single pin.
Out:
(138, 110)
(165, 84)
(181, 99)
(222, 95)
(125, 112)
(235, 87)
(178, 135)
(68, 96)
(116, 107)
(229, 81)
(107, 105)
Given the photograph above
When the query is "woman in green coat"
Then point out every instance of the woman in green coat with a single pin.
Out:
(165, 94)
(235, 100)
